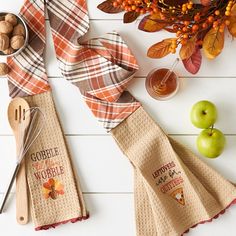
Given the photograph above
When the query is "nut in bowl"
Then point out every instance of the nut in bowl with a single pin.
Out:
(13, 34)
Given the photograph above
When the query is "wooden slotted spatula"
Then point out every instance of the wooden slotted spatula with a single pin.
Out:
(19, 124)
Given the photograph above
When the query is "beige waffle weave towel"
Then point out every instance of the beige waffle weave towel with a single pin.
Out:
(174, 189)
(55, 191)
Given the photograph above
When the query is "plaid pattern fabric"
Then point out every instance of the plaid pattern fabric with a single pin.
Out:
(28, 75)
(101, 68)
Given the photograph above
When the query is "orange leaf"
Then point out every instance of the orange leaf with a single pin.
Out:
(152, 23)
(107, 6)
(233, 11)
(130, 16)
(160, 49)
(213, 43)
(187, 49)
(232, 28)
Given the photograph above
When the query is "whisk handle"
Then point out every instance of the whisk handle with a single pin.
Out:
(6, 195)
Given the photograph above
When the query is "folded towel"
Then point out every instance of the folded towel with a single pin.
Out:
(55, 192)
(174, 189)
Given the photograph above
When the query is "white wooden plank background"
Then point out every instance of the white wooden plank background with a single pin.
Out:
(110, 199)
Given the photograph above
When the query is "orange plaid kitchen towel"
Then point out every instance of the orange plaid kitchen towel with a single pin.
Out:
(55, 191)
(102, 67)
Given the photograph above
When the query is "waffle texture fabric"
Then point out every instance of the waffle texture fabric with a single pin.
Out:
(174, 189)
(55, 191)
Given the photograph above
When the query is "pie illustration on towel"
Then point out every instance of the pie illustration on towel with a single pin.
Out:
(178, 195)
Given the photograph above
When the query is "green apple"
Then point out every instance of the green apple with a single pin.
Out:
(203, 114)
(211, 143)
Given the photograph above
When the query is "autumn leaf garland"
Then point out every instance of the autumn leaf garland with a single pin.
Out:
(196, 25)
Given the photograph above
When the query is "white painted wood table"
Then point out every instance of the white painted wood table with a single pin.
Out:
(105, 173)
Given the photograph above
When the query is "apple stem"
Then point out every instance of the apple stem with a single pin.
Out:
(212, 127)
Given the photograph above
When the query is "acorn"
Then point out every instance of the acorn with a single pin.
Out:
(3, 69)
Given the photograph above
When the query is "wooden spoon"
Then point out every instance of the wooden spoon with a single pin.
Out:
(16, 115)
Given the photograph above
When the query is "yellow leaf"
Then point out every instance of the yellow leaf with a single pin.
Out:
(152, 23)
(187, 49)
(232, 19)
(160, 49)
(213, 43)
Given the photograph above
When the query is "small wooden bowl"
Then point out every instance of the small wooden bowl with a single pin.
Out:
(20, 21)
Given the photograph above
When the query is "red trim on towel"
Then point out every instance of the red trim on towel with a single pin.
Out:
(210, 220)
(74, 220)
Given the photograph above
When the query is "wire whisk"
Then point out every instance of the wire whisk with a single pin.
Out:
(30, 127)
